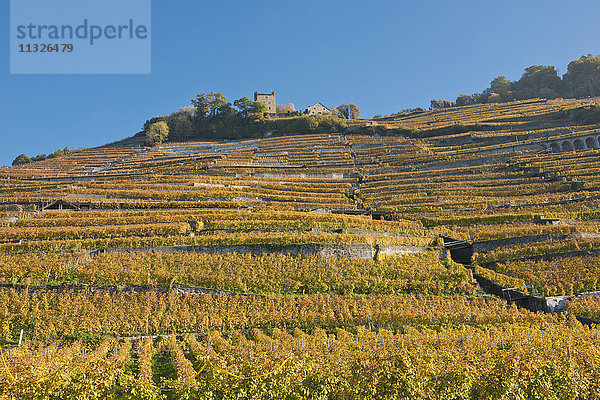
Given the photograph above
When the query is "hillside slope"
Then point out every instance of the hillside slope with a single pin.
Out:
(310, 263)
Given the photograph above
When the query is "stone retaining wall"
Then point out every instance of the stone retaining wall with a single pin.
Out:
(489, 245)
(400, 250)
(529, 302)
(355, 251)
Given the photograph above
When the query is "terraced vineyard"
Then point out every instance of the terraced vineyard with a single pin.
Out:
(345, 265)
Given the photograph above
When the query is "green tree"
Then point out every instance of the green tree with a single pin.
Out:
(308, 124)
(464, 100)
(215, 101)
(21, 159)
(180, 125)
(244, 106)
(435, 104)
(60, 152)
(536, 78)
(201, 106)
(494, 98)
(226, 112)
(259, 109)
(583, 77)
(208, 105)
(501, 86)
(157, 133)
(153, 120)
(479, 98)
(354, 111)
(348, 111)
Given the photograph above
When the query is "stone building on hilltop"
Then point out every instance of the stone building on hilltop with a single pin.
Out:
(318, 109)
(267, 99)
(282, 110)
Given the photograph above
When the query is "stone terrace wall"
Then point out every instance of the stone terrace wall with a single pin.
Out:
(359, 251)
(356, 251)
(489, 245)
(400, 250)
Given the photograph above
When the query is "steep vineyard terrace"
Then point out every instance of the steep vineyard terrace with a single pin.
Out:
(282, 259)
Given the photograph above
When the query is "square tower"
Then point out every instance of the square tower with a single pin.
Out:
(267, 99)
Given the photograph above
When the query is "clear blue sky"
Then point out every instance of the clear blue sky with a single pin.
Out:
(381, 55)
